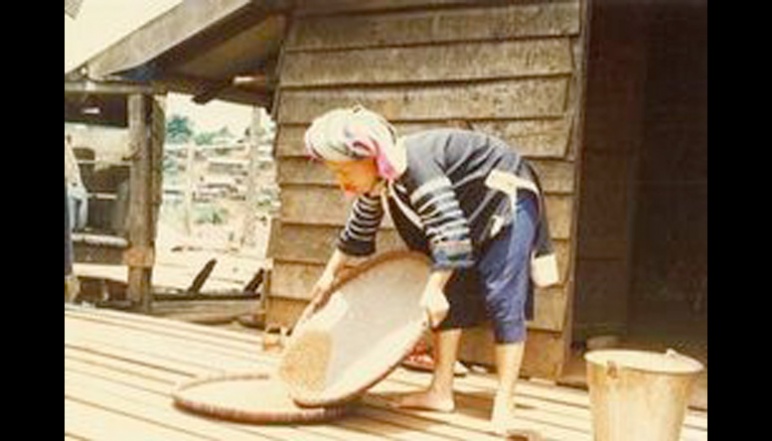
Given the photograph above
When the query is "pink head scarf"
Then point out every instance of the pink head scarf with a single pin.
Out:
(356, 133)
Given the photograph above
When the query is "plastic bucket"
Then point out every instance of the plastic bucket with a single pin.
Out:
(639, 395)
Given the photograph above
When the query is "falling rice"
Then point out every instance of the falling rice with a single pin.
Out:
(304, 365)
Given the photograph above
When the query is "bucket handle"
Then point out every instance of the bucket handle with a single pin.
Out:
(612, 370)
(672, 353)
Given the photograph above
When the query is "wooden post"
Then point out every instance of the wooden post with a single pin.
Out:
(139, 256)
(189, 184)
(255, 137)
(157, 140)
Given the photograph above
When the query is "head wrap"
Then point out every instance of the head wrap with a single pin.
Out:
(356, 133)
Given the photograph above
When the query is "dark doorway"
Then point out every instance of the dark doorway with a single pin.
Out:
(641, 258)
(641, 267)
(668, 295)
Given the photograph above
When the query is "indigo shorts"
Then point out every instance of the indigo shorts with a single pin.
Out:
(498, 288)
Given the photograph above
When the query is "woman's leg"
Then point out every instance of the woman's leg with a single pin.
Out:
(439, 395)
(505, 271)
(509, 357)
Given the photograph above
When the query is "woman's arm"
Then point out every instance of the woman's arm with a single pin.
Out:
(320, 292)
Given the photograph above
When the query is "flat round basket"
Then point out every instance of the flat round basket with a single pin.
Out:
(248, 397)
(371, 322)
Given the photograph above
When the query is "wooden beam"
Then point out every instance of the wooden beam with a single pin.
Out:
(536, 138)
(162, 34)
(140, 182)
(213, 89)
(241, 93)
(531, 98)
(424, 25)
(429, 64)
(109, 88)
(255, 138)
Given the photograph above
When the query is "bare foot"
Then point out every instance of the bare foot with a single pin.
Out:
(502, 416)
(428, 400)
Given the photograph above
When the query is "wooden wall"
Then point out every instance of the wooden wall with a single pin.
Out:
(512, 70)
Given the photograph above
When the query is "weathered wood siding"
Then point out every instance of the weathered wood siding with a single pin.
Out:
(511, 70)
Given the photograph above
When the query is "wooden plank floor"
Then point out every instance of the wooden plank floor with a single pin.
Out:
(120, 369)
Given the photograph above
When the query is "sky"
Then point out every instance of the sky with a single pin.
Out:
(101, 23)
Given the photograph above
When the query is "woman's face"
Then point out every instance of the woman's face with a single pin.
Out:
(358, 176)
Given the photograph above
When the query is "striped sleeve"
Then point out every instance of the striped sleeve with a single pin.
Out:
(445, 224)
(358, 236)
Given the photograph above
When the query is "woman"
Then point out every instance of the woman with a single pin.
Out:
(468, 201)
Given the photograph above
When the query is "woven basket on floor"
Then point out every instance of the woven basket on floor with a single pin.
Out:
(248, 397)
(370, 323)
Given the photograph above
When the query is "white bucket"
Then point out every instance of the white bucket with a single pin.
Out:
(639, 395)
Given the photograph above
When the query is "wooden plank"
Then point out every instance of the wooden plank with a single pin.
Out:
(152, 373)
(94, 422)
(157, 140)
(126, 355)
(525, 98)
(122, 319)
(152, 396)
(293, 281)
(107, 88)
(543, 358)
(315, 205)
(284, 311)
(555, 176)
(471, 384)
(389, 429)
(477, 402)
(528, 407)
(296, 269)
(137, 399)
(560, 213)
(563, 254)
(466, 397)
(338, 433)
(538, 414)
(547, 354)
(471, 417)
(438, 25)
(398, 422)
(533, 138)
(159, 343)
(448, 431)
(549, 309)
(315, 243)
(159, 348)
(140, 199)
(140, 391)
(158, 407)
(508, 59)
(481, 382)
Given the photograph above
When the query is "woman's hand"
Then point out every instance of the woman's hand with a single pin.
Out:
(321, 291)
(433, 299)
(436, 305)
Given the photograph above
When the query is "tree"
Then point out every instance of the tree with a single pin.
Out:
(179, 129)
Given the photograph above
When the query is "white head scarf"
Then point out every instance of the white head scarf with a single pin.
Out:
(356, 133)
